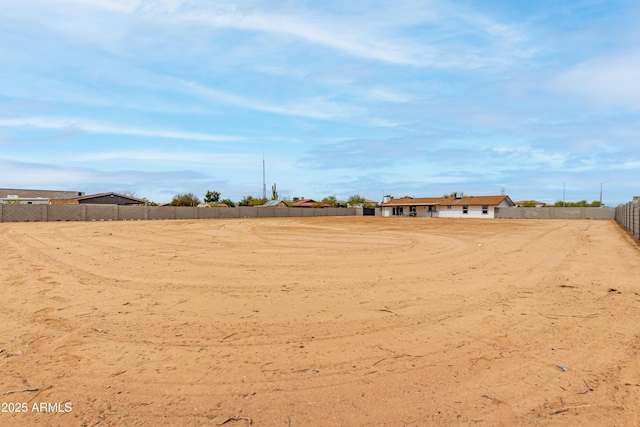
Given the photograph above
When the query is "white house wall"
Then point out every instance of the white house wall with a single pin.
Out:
(474, 211)
(421, 211)
(456, 212)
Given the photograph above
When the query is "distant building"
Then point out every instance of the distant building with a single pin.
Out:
(310, 203)
(275, 204)
(14, 199)
(46, 194)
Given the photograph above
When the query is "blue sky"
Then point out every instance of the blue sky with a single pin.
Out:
(409, 97)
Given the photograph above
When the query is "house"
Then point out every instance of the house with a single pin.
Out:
(310, 203)
(213, 205)
(275, 204)
(46, 194)
(110, 198)
(445, 207)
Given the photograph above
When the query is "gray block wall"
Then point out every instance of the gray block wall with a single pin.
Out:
(33, 213)
(628, 216)
(161, 212)
(23, 213)
(128, 213)
(67, 212)
(556, 213)
(101, 212)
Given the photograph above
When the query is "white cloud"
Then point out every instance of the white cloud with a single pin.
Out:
(217, 160)
(611, 80)
(316, 108)
(389, 95)
(103, 128)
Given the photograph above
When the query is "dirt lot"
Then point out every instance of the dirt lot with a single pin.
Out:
(320, 322)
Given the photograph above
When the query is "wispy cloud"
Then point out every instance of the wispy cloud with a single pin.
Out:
(611, 79)
(104, 128)
(214, 160)
(316, 108)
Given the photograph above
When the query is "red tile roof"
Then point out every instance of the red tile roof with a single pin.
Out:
(467, 200)
(309, 203)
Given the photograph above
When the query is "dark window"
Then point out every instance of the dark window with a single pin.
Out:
(485, 209)
(465, 209)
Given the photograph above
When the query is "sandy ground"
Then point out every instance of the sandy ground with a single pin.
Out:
(320, 322)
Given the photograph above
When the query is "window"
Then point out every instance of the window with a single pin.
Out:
(485, 209)
(448, 207)
(397, 211)
(412, 209)
(465, 209)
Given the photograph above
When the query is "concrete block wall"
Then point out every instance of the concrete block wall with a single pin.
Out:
(556, 213)
(628, 216)
(161, 212)
(228, 212)
(266, 212)
(32, 213)
(67, 212)
(248, 211)
(186, 212)
(130, 213)
(23, 213)
(101, 212)
(209, 213)
(280, 212)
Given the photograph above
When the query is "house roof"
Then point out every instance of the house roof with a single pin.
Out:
(111, 193)
(307, 203)
(213, 205)
(273, 203)
(452, 201)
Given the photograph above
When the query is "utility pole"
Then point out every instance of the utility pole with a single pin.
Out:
(264, 181)
(601, 192)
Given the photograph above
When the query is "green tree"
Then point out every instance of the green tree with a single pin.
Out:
(228, 203)
(258, 202)
(245, 201)
(147, 202)
(356, 199)
(187, 199)
(330, 200)
(252, 201)
(529, 204)
(580, 204)
(212, 197)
